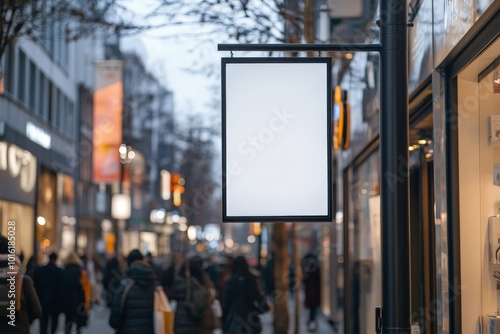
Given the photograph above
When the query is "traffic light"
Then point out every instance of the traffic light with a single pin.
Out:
(177, 188)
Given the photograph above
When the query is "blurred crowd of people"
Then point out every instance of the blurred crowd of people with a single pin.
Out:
(215, 292)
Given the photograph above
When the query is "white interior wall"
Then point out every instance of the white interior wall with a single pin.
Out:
(478, 195)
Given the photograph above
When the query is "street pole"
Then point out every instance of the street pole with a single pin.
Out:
(394, 122)
(259, 250)
(119, 222)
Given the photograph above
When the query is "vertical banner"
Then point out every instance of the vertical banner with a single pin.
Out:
(107, 133)
(276, 139)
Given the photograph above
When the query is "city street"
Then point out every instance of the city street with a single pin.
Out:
(98, 323)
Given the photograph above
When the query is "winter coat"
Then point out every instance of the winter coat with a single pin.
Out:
(312, 281)
(268, 277)
(242, 304)
(137, 316)
(167, 279)
(48, 281)
(30, 305)
(113, 275)
(183, 322)
(73, 300)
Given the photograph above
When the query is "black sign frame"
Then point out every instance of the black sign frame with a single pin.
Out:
(328, 217)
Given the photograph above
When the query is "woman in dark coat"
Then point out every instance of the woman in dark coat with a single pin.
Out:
(73, 296)
(138, 304)
(27, 304)
(312, 287)
(191, 272)
(243, 301)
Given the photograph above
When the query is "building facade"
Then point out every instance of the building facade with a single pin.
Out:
(453, 163)
(147, 120)
(39, 111)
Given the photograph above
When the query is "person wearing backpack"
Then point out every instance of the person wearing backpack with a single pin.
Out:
(27, 305)
(132, 307)
(194, 293)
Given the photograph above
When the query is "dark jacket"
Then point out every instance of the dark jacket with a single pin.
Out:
(73, 296)
(242, 304)
(268, 277)
(183, 322)
(167, 279)
(30, 305)
(113, 275)
(138, 307)
(48, 281)
(312, 281)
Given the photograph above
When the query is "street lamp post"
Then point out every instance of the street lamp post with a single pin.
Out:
(121, 206)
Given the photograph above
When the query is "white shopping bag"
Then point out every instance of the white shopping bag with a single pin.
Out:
(163, 314)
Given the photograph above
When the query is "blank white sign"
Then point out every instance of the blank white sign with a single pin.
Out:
(276, 139)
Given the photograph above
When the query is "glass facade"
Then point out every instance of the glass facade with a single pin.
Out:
(364, 244)
(440, 29)
(478, 129)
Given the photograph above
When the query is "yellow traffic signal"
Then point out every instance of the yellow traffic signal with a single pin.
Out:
(177, 188)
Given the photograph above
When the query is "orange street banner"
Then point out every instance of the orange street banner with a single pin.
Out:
(108, 110)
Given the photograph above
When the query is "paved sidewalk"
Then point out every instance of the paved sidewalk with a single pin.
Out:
(323, 327)
(98, 322)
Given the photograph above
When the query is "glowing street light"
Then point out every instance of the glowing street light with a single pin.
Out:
(41, 221)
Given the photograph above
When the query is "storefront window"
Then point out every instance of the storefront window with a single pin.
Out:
(478, 116)
(21, 217)
(47, 215)
(364, 245)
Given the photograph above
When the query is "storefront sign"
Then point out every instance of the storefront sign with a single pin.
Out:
(276, 139)
(341, 120)
(38, 135)
(17, 174)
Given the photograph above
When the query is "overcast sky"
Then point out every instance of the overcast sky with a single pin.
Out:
(171, 54)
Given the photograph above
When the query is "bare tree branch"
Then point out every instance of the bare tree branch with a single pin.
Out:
(26, 18)
(248, 21)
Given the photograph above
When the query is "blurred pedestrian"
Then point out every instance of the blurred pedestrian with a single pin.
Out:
(151, 261)
(113, 274)
(27, 305)
(243, 301)
(48, 281)
(213, 269)
(99, 275)
(89, 267)
(73, 300)
(268, 278)
(312, 288)
(225, 275)
(32, 265)
(194, 292)
(133, 304)
(168, 276)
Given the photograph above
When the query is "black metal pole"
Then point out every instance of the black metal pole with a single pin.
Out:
(289, 47)
(259, 250)
(394, 122)
(119, 223)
